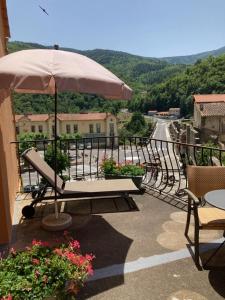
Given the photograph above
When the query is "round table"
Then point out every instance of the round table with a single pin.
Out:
(216, 198)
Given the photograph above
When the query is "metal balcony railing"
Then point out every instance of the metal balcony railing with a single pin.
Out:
(164, 161)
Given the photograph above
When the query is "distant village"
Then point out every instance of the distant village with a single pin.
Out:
(207, 125)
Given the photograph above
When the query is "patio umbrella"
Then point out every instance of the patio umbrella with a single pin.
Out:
(52, 71)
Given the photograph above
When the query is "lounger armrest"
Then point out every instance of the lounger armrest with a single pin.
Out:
(192, 196)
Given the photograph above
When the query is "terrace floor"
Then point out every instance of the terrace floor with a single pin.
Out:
(140, 253)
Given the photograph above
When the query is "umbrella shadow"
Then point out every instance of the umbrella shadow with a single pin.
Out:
(110, 248)
(96, 236)
(217, 279)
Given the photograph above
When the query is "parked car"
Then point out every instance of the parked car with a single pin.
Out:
(88, 146)
(81, 147)
(30, 188)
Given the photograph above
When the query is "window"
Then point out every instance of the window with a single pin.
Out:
(17, 130)
(98, 128)
(68, 128)
(40, 128)
(111, 129)
(91, 128)
(75, 128)
(32, 128)
(53, 129)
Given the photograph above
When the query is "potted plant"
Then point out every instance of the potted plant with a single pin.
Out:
(44, 272)
(112, 170)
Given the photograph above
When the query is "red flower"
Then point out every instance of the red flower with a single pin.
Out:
(35, 261)
(90, 269)
(9, 297)
(74, 244)
(40, 243)
(58, 251)
(13, 251)
(89, 257)
(36, 274)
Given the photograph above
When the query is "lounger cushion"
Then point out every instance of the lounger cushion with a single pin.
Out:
(100, 186)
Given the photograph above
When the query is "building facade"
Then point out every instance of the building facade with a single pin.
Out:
(174, 111)
(9, 178)
(89, 125)
(209, 116)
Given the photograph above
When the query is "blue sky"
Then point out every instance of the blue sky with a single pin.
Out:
(153, 28)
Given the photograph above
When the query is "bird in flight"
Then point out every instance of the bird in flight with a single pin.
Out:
(44, 10)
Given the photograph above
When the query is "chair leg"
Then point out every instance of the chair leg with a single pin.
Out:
(188, 220)
(197, 258)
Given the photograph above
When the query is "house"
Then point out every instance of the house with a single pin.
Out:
(163, 114)
(89, 125)
(9, 178)
(174, 112)
(209, 116)
(152, 112)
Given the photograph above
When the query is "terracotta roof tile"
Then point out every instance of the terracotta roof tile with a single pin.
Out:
(64, 117)
(82, 117)
(34, 118)
(212, 109)
(209, 98)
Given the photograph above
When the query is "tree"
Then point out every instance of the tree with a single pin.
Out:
(30, 139)
(137, 123)
(62, 159)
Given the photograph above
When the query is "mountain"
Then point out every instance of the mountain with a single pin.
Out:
(191, 59)
(206, 76)
(157, 84)
(137, 71)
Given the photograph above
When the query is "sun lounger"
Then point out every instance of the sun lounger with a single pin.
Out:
(72, 190)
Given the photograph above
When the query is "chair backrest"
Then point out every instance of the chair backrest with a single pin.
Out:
(203, 179)
(38, 163)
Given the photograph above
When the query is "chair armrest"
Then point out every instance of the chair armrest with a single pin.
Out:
(192, 196)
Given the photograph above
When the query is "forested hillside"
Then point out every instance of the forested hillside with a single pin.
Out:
(191, 59)
(138, 72)
(205, 77)
(156, 84)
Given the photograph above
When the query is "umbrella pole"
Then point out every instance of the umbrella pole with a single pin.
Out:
(55, 162)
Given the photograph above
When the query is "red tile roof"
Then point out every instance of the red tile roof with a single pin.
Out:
(33, 118)
(64, 117)
(82, 117)
(209, 98)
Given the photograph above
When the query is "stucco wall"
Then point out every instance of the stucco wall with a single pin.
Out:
(9, 178)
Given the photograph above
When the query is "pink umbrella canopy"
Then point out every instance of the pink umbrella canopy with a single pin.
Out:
(41, 70)
(52, 71)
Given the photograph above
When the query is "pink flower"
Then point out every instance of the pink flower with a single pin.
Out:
(89, 257)
(90, 269)
(35, 261)
(45, 244)
(40, 243)
(74, 244)
(36, 243)
(36, 274)
(13, 251)
(9, 297)
(58, 251)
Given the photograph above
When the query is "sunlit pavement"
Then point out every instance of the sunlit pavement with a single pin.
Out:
(141, 253)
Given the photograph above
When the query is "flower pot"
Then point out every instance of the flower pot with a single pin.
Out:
(137, 180)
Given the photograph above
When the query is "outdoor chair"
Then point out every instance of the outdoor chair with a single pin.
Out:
(202, 179)
(72, 190)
